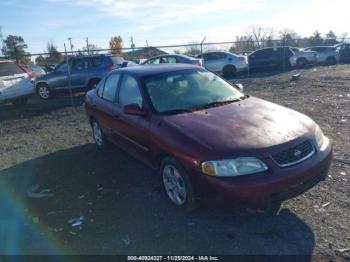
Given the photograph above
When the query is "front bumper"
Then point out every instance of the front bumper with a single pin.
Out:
(259, 190)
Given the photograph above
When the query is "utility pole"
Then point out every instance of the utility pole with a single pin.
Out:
(2, 40)
(69, 76)
(70, 42)
(87, 45)
(147, 49)
(132, 47)
(202, 44)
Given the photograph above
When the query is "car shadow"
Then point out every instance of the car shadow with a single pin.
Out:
(37, 106)
(123, 210)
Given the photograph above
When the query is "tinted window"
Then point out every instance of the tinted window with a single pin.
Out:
(155, 61)
(129, 92)
(10, 69)
(110, 87)
(263, 53)
(97, 61)
(99, 88)
(80, 64)
(169, 60)
(215, 56)
(62, 68)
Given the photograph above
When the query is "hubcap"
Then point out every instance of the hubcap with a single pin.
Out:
(174, 185)
(97, 133)
(44, 92)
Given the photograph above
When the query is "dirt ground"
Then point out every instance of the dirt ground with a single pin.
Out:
(48, 145)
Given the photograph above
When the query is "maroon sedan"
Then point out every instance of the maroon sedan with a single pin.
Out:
(206, 137)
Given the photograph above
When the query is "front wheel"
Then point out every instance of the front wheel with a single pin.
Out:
(177, 184)
(44, 91)
(229, 70)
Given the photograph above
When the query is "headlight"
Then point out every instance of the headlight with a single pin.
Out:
(233, 167)
(319, 136)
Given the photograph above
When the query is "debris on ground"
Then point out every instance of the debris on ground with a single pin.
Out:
(126, 240)
(326, 204)
(76, 221)
(35, 220)
(295, 77)
(33, 192)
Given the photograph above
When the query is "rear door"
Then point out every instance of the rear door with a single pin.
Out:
(132, 131)
(80, 72)
(345, 53)
(214, 61)
(105, 104)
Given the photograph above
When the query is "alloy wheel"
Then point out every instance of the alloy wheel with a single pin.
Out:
(174, 185)
(44, 92)
(97, 134)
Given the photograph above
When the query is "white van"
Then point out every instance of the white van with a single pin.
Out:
(15, 84)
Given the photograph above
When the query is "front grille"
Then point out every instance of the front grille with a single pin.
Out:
(294, 155)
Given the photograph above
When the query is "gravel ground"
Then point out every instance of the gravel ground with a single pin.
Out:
(48, 145)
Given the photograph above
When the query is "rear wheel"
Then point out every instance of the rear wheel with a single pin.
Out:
(177, 184)
(229, 70)
(98, 136)
(43, 91)
(301, 62)
(20, 101)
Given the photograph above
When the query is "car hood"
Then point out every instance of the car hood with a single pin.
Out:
(250, 124)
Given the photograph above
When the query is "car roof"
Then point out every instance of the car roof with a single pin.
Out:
(149, 70)
(165, 55)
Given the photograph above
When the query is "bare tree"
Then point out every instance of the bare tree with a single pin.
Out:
(260, 35)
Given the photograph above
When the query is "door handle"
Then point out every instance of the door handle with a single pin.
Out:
(115, 116)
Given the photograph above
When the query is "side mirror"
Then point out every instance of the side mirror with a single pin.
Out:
(134, 109)
(240, 87)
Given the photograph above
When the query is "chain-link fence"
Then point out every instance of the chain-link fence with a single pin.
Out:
(242, 47)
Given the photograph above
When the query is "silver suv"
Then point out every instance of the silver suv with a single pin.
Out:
(15, 84)
(224, 63)
(301, 57)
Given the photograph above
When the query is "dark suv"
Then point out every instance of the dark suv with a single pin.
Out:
(85, 73)
(270, 58)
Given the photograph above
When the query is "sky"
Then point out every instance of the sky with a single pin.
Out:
(163, 22)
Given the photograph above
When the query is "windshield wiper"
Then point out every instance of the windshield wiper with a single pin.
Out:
(176, 111)
(215, 103)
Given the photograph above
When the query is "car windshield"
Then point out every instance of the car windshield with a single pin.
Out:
(189, 90)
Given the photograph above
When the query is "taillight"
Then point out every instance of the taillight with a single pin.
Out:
(111, 67)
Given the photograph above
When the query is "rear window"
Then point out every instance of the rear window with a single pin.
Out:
(117, 60)
(8, 69)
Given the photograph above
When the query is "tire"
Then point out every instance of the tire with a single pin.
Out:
(20, 101)
(93, 83)
(43, 91)
(177, 185)
(98, 136)
(301, 62)
(331, 60)
(229, 70)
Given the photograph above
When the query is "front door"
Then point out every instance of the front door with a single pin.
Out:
(132, 131)
(80, 72)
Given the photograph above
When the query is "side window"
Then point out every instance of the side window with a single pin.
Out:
(169, 60)
(80, 64)
(129, 92)
(62, 68)
(99, 88)
(97, 61)
(110, 87)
